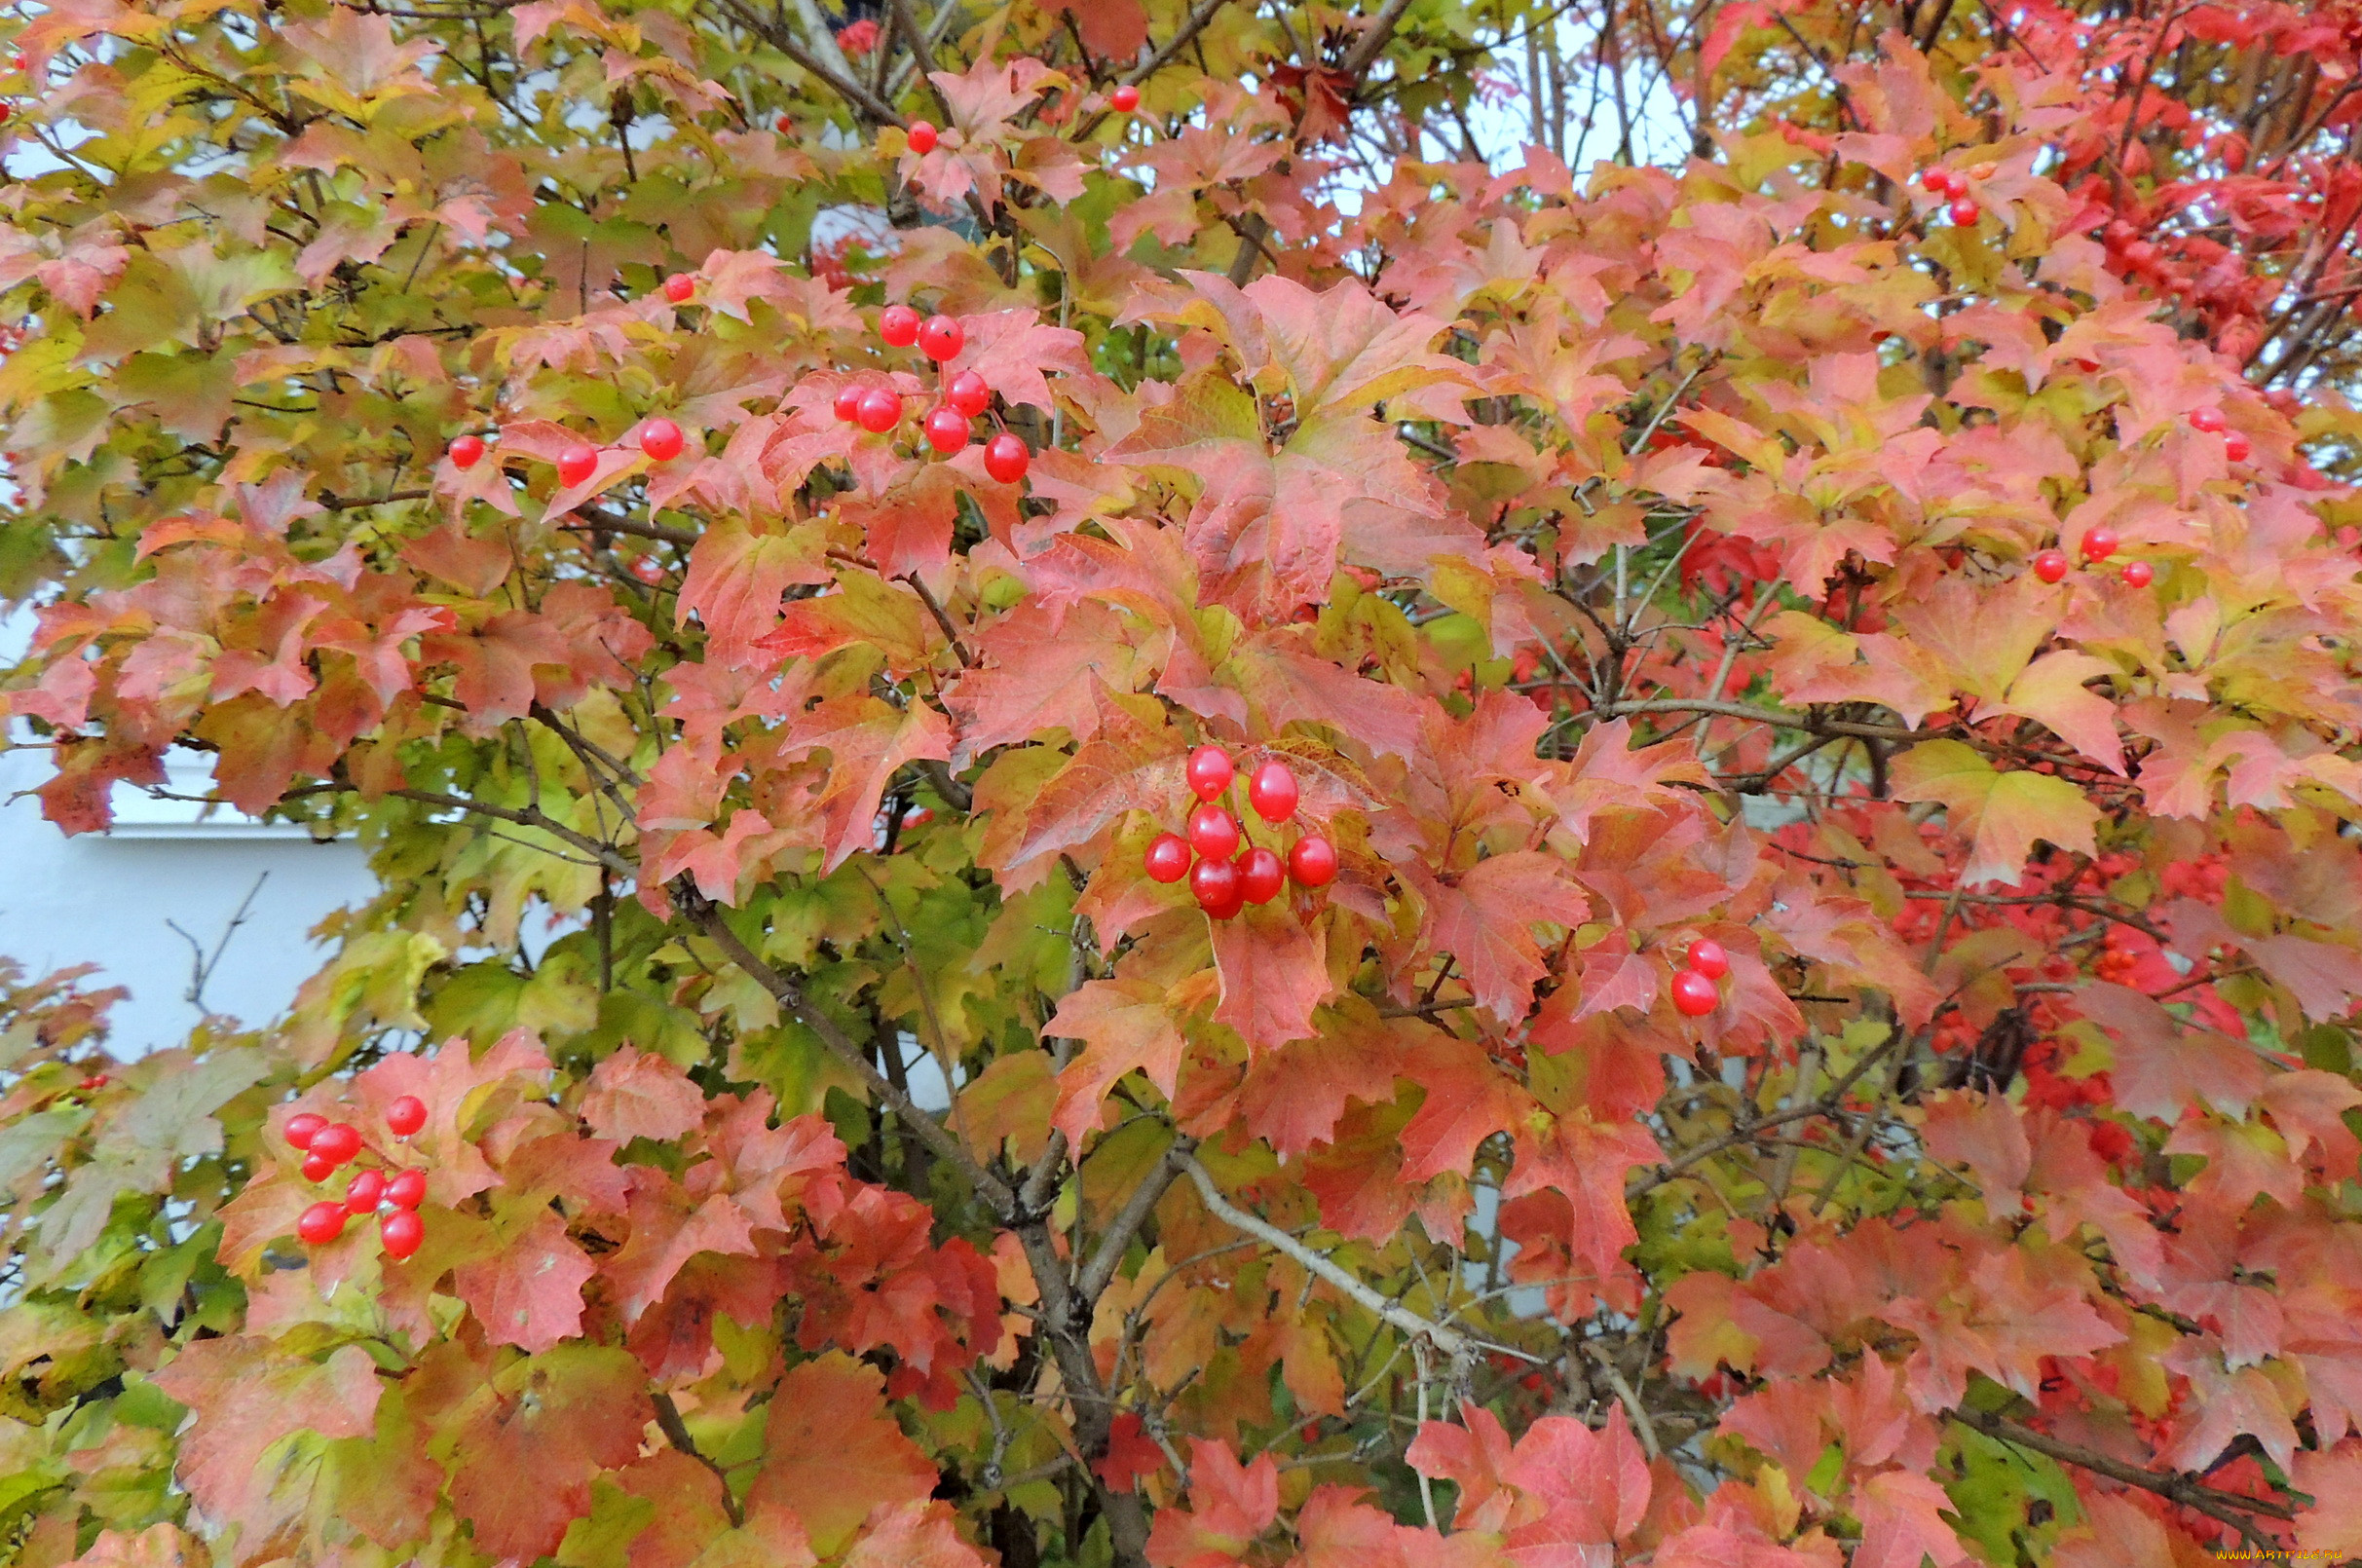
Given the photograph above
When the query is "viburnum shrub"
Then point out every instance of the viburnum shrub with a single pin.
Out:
(1252, 853)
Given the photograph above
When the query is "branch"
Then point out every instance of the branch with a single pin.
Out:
(780, 39)
(2226, 1507)
(1445, 1338)
(1127, 1220)
(707, 916)
(1374, 40)
(1761, 715)
(668, 1421)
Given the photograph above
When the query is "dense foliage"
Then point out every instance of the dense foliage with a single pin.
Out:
(1864, 490)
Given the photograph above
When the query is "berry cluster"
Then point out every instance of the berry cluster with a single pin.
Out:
(2210, 422)
(877, 409)
(1230, 874)
(1945, 185)
(1695, 993)
(329, 1146)
(2050, 566)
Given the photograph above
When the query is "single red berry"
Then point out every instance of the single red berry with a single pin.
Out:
(322, 1223)
(942, 338)
(2236, 448)
(1216, 883)
(400, 1233)
(577, 463)
(968, 393)
(1168, 857)
(317, 1167)
(467, 451)
(922, 136)
(302, 1127)
(1260, 876)
(1936, 181)
(880, 411)
(662, 440)
(1210, 771)
(947, 429)
(2139, 574)
(1694, 996)
(1311, 1432)
(2100, 544)
(1126, 98)
(1312, 862)
(1273, 792)
(405, 1116)
(784, 123)
(1213, 831)
(1708, 958)
(1964, 212)
(2208, 420)
(680, 288)
(1006, 459)
(898, 324)
(848, 401)
(2050, 565)
(919, 818)
(407, 1189)
(362, 1193)
(337, 1142)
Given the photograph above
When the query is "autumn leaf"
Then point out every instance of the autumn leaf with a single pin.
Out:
(2001, 813)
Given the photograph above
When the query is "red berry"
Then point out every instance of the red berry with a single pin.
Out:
(317, 1167)
(322, 1223)
(784, 123)
(1694, 996)
(467, 451)
(1216, 883)
(1964, 212)
(405, 1116)
(337, 1142)
(1312, 862)
(1168, 857)
(662, 440)
(407, 1189)
(922, 136)
(400, 1232)
(968, 393)
(1708, 958)
(302, 1127)
(2236, 448)
(898, 324)
(848, 401)
(1272, 792)
(577, 463)
(364, 1192)
(880, 411)
(947, 429)
(95, 1081)
(1213, 831)
(680, 288)
(1126, 98)
(2050, 565)
(1210, 771)
(1006, 459)
(919, 818)
(2208, 420)
(942, 338)
(2139, 574)
(2100, 544)
(1936, 181)
(1260, 876)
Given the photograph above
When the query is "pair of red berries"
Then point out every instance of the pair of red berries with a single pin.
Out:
(1695, 993)
(939, 337)
(1225, 877)
(2210, 422)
